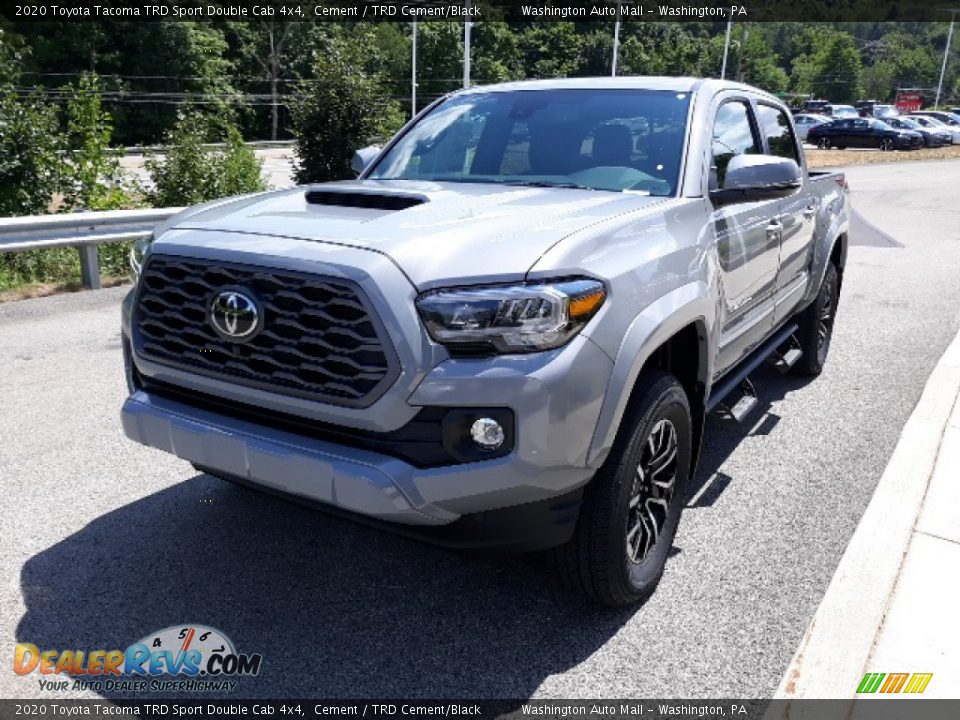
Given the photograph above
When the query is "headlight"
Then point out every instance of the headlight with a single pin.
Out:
(512, 318)
(138, 253)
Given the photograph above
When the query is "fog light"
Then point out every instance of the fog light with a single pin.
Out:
(487, 433)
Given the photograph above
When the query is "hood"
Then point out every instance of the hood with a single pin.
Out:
(435, 232)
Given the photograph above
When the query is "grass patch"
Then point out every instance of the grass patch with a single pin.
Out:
(57, 267)
(35, 290)
(837, 158)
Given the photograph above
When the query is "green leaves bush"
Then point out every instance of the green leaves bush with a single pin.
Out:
(340, 112)
(30, 151)
(189, 173)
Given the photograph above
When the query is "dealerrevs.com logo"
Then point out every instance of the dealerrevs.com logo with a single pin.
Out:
(182, 657)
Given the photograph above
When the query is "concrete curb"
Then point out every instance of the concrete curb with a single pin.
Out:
(837, 645)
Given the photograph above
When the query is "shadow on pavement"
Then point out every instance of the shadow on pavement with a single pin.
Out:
(722, 436)
(336, 609)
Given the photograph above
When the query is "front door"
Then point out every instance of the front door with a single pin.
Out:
(748, 242)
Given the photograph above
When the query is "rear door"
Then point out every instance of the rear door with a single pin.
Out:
(798, 214)
(747, 239)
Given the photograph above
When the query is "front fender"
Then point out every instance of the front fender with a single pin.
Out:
(657, 323)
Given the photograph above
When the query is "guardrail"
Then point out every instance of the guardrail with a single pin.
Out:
(84, 230)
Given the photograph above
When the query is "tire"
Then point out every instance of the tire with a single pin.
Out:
(629, 517)
(816, 325)
(823, 143)
(886, 145)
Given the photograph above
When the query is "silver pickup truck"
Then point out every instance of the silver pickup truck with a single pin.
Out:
(509, 329)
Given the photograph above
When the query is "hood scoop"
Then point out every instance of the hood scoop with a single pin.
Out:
(372, 200)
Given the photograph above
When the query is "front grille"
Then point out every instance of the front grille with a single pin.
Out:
(318, 338)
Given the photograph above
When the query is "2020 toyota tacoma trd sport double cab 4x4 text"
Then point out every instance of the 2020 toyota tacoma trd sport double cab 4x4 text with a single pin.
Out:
(509, 329)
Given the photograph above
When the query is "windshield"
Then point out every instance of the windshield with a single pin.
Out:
(904, 123)
(577, 138)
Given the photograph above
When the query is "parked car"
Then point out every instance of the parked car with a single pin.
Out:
(932, 123)
(863, 133)
(817, 107)
(844, 111)
(932, 137)
(804, 122)
(510, 329)
(871, 108)
(947, 118)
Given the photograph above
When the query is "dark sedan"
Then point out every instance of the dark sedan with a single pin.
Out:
(931, 136)
(863, 133)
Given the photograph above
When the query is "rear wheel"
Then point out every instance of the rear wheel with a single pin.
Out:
(886, 145)
(816, 325)
(823, 143)
(632, 506)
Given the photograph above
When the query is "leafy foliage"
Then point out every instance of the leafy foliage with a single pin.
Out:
(341, 111)
(30, 149)
(91, 173)
(189, 173)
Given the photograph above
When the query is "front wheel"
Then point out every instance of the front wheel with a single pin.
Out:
(631, 508)
(886, 145)
(816, 325)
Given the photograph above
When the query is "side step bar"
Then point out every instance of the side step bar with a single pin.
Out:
(738, 375)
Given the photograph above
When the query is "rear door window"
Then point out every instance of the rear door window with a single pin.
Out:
(777, 132)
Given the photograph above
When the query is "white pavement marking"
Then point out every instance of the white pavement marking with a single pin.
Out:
(838, 644)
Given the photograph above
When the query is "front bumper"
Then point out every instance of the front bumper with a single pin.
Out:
(556, 399)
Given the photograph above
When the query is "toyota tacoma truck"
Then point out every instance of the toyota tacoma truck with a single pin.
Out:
(509, 329)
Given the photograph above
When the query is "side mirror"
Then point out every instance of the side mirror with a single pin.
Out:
(750, 178)
(363, 157)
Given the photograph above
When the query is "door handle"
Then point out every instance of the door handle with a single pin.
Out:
(774, 228)
(808, 212)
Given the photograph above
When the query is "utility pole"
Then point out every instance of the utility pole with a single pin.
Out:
(616, 43)
(726, 48)
(741, 49)
(413, 72)
(946, 56)
(466, 47)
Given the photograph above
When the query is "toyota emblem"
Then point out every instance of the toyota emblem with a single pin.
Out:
(234, 315)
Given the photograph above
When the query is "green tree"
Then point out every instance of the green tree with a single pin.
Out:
(92, 176)
(189, 173)
(831, 67)
(30, 148)
(551, 50)
(838, 77)
(341, 110)
(11, 57)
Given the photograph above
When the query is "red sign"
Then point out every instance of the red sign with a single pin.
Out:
(908, 102)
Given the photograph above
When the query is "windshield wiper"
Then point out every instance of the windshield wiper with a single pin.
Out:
(546, 184)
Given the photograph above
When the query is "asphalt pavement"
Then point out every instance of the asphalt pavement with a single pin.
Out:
(103, 541)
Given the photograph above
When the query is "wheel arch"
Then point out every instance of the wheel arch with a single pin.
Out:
(677, 342)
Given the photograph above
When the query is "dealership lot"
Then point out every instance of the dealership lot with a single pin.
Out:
(105, 541)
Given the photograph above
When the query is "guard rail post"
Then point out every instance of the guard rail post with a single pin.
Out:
(90, 267)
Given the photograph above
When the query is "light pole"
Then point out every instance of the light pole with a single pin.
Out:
(616, 43)
(466, 47)
(413, 72)
(946, 56)
(741, 47)
(726, 48)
